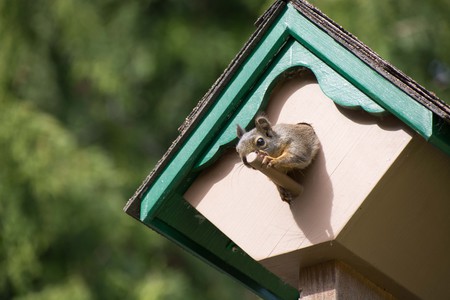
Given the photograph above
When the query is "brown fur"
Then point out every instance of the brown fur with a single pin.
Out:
(286, 147)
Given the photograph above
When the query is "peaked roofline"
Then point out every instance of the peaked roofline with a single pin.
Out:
(344, 38)
(384, 68)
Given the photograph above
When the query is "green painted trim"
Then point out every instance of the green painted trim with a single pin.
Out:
(211, 125)
(327, 50)
(441, 134)
(291, 56)
(184, 225)
(359, 73)
(343, 77)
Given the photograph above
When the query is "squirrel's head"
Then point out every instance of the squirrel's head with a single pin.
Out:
(258, 139)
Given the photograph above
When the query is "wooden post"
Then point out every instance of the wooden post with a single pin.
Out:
(336, 280)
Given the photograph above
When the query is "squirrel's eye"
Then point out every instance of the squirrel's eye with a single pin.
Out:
(260, 142)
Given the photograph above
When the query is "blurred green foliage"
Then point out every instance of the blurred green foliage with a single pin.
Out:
(91, 95)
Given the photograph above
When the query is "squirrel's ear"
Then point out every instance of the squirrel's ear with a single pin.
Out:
(263, 125)
(239, 131)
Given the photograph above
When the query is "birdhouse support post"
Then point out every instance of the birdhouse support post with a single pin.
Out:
(336, 280)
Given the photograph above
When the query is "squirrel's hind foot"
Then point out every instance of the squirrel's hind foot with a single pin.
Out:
(285, 195)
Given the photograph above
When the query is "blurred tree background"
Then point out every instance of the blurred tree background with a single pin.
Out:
(91, 95)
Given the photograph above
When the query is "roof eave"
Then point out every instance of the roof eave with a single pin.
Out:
(263, 23)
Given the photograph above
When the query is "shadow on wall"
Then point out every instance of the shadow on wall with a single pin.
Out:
(312, 209)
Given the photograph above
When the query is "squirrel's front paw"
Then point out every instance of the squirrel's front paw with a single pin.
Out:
(269, 161)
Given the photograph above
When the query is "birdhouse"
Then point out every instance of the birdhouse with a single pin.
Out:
(371, 215)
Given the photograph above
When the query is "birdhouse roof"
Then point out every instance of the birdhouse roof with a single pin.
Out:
(395, 76)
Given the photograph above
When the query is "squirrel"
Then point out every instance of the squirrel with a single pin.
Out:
(285, 147)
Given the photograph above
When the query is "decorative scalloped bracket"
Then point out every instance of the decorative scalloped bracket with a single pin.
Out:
(293, 55)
